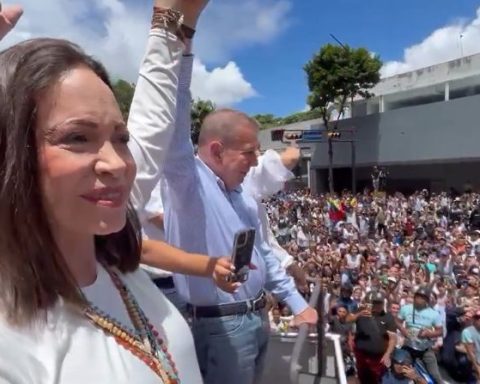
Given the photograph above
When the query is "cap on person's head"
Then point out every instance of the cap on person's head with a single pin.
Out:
(423, 292)
(347, 287)
(474, 270)
(392, 279)
(375, 297)
(401, 356)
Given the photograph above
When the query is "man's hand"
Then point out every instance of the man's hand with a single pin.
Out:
(290, 156)
(386, 361)
(364, 312)
(308, 316)
(222, 270)
(425, 334)
(299, 276)
(409, 373)
(9, 16)
(191, 9)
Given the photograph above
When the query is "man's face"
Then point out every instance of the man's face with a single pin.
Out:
(395, 309)
(476, 322)
(341, 313)
(276, 316)
(238, 156)
(469, 291)
(441, 289)
(399, 369)
(377, 307)
(346, 293)
(420, 301)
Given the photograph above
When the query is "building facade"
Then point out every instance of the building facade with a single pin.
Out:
(422, 126)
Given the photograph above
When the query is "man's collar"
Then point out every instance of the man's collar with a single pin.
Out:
(219, 181)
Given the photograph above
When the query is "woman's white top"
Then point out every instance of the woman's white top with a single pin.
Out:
(353, 261)
(67, 348)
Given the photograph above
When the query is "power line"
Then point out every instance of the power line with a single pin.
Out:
(338, 41)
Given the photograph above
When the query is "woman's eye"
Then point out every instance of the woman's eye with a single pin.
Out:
(76, 138)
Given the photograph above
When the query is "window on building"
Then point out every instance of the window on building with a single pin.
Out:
(277, 134)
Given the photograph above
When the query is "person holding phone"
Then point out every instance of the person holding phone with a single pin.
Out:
(205, 206)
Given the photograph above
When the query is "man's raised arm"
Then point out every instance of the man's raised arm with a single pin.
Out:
(151, 120)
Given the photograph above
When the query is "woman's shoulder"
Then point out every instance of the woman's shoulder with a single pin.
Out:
(27, 350)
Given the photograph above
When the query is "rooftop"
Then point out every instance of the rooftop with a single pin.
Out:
(457, 69)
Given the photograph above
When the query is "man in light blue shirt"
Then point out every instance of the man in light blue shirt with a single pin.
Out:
(205, 206)
(421, 325)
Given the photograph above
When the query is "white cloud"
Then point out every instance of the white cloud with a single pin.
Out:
(224, 86)
(444, 44)
(115, 31)
(307, 108)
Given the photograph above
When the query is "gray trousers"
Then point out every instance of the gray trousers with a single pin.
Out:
(429, 360)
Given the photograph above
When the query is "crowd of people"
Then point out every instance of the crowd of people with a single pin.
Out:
(418, 256)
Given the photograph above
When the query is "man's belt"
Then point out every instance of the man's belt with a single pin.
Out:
(164, 282)
(239, 308)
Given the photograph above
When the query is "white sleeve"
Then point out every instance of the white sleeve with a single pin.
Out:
(281, 254)
(268, 177)
(152, 115)
(154, 206)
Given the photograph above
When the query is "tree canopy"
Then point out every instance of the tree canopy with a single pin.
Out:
(338, 74)
(124, 91)
(269, 120)
(200, 109)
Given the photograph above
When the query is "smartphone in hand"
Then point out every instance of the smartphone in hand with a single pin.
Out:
(242, 254)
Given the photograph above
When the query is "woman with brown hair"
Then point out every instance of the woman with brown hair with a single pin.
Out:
(74, 306)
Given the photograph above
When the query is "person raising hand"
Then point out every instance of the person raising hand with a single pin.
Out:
(9, 16)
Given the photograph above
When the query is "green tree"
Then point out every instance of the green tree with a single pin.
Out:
(267, 120)
(336, 75)
(124, 91)
(200, 109)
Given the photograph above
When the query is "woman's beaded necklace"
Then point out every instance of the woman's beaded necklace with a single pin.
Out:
(143, 342)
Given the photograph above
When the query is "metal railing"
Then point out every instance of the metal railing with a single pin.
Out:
(334, 367)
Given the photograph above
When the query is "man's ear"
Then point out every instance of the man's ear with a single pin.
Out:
(216, 150)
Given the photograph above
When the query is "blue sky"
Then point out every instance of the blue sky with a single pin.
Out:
(250, 53)
(386, 27)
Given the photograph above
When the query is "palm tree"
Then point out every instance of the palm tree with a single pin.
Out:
(200, 109)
